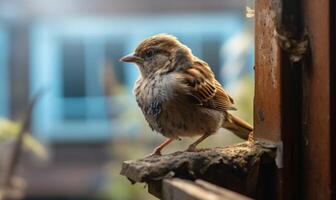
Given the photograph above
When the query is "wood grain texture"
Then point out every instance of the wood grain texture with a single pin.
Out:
(317, 107)
(267, 100)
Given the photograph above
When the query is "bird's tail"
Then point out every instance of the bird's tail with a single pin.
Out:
(238, 126)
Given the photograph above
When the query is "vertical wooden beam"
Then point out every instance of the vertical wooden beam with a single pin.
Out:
(268, 111)
(301, 109)
(268, 85)
(278, 98)
(267, 104)
(316, 102)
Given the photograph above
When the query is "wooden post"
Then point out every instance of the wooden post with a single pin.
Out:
(295, 92)
(317, 114)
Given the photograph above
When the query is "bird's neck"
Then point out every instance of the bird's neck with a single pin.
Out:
(143, 72)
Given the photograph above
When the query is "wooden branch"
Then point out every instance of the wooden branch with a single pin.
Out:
(176, 189)
(235, 167)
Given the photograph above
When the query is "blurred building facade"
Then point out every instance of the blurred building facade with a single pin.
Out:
(71, 49)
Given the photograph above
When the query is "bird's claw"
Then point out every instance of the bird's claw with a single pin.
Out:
(191, 148)
(251, 137)
(155, 153)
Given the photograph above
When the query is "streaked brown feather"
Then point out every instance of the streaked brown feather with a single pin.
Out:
(205, 88)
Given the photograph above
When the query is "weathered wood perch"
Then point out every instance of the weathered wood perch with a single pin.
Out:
(178, 189)
(234, 167)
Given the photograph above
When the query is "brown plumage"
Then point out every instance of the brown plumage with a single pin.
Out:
(178, 93)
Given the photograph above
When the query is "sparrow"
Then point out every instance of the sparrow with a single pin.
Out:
(178, 93)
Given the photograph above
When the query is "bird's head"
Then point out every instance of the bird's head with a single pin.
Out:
(160, 53)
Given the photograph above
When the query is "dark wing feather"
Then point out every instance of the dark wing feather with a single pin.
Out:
(203, 87)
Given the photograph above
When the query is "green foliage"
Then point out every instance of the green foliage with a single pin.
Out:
(244, 98)
(9, 131)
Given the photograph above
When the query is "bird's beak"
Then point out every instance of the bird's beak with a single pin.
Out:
(132, 58)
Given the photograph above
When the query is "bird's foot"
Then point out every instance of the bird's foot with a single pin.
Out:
(154, 153)
(192, 148)
(157, 150)
(251, 137)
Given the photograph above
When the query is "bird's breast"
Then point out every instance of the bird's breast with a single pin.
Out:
(148, 96)
(174, 116)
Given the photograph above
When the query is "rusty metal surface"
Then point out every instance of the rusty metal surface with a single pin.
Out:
(267, 107)
(316, 103)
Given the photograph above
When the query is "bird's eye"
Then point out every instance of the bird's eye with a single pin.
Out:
(149, 53)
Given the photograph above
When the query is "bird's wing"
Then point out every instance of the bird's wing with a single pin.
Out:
(205, 89)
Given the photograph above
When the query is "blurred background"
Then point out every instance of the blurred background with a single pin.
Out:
(88, 119)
